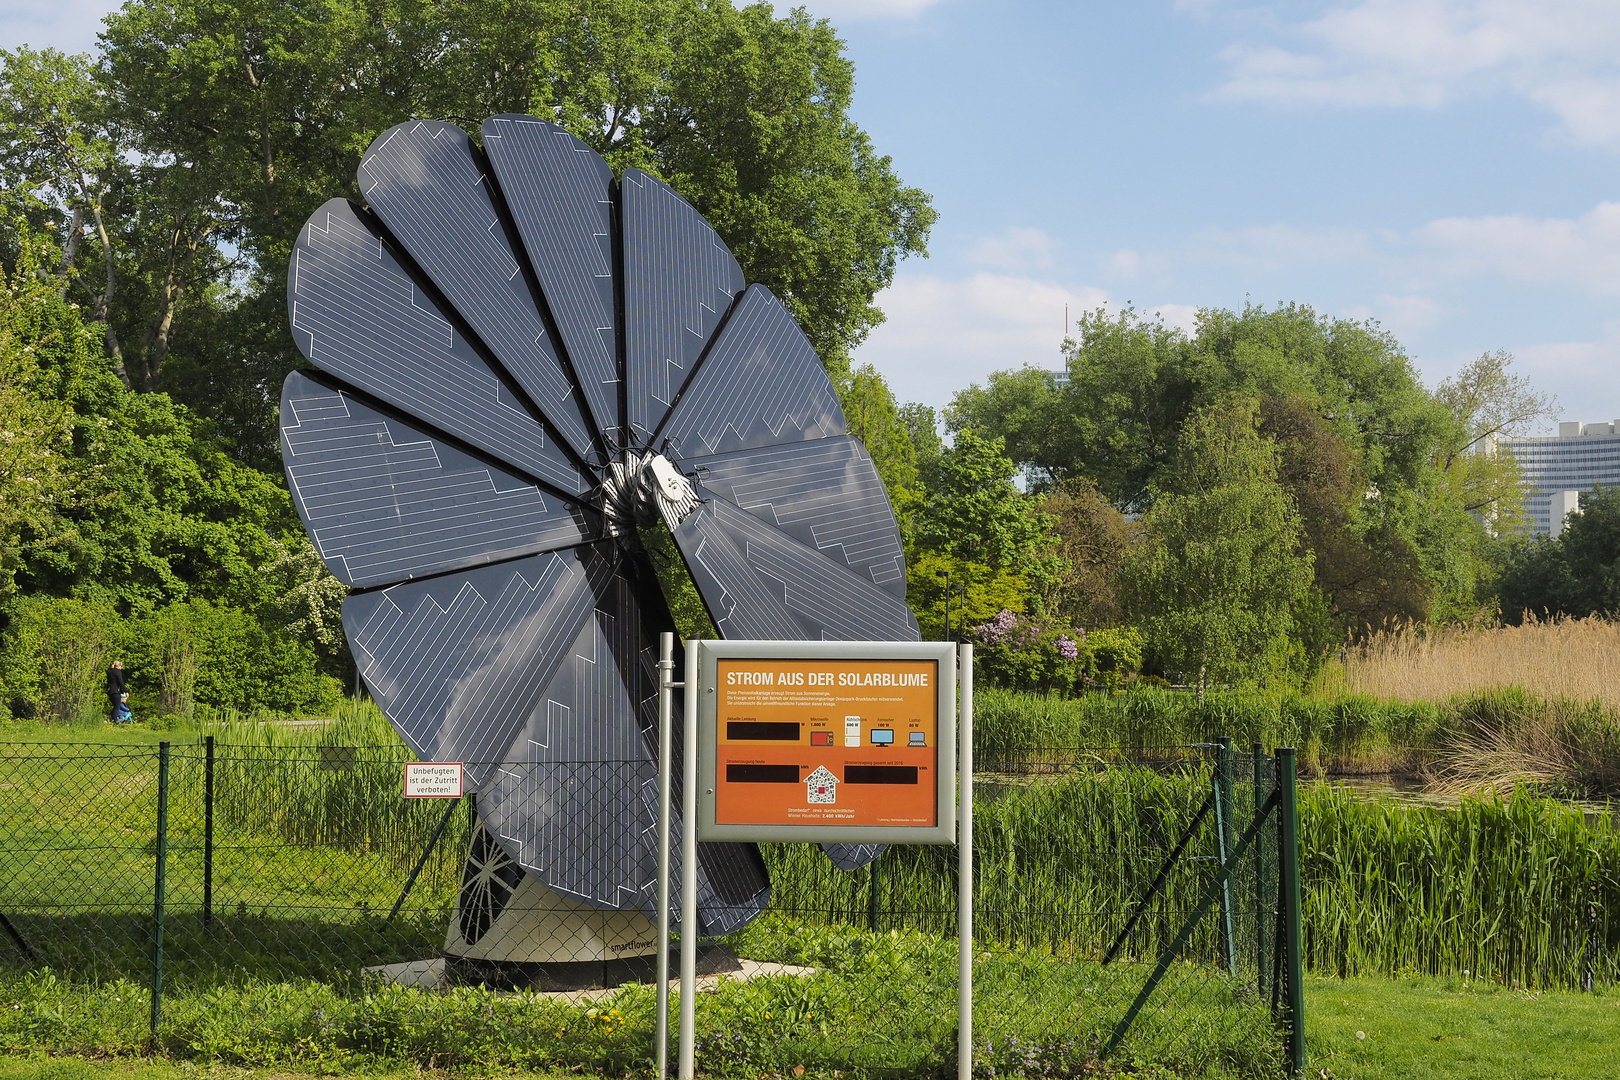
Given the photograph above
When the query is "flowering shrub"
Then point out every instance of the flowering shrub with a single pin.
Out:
(1023, 653)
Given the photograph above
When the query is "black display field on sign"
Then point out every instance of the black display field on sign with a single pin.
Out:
(880, 774)
(765, 774)
(761, 731)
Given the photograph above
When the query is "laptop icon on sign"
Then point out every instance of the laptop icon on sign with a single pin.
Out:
(919, 738)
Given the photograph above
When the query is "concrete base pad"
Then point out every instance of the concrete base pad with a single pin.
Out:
(435, 974)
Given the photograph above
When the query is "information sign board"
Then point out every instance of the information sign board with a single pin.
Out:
(432, 780)
(827, 741)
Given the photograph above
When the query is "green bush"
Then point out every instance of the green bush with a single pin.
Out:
(55, 653)
(53, 663)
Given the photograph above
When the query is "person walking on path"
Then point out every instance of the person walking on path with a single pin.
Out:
(117, 684)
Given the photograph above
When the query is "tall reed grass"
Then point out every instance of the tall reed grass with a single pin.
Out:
(1060, 865)
(1560, 658)
(1350, 732)
(1522, 891)
(1470, 742)
(336, 784)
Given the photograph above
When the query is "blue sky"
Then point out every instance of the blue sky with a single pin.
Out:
(1445, 166)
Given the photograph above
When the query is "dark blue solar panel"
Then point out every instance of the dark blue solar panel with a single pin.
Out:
(758, 582)
(760, 385)
(575, 800)
(679, 281)
(825, 494)
(430, 186)
(384, 502)
(560, 193)
(357, 314)
(853, 856)
(459, 662)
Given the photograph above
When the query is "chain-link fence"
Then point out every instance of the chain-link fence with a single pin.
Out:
(1125, 905)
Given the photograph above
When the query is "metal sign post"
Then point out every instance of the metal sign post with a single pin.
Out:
(689, 914)
(816, 741)
(964, 869)
(666, 685)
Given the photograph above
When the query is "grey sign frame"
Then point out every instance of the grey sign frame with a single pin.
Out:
(944, 653)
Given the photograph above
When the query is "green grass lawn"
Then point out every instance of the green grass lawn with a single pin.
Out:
(60, 1068)
(1418, 1029)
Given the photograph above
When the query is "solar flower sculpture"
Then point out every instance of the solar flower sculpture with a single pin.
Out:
(520, 363)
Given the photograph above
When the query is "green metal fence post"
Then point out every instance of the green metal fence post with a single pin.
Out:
(208, 832)
(1288, 870)
(1259, 877)
(1223, 844)
(159, 885)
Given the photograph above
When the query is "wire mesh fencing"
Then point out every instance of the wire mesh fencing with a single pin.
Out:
(1125, 905)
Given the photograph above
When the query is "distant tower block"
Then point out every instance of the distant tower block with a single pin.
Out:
(1581, 457)
(1562, 504)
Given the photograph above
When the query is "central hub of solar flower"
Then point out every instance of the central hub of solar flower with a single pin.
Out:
(640, 489)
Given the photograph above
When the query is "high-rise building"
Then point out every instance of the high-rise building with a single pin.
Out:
(1579, 458)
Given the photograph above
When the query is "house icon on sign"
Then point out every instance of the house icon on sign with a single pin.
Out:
(821, 787)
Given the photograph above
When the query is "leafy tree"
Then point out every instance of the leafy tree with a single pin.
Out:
(1367, 573)
(922, 431)
(1577, 573)
(35, 425)
(1218, 575)
(1487, 402)
(979, 528)
(875, 418)
(141, 228)
(1363, 444)
(265, 106)
(1092, 539)
(61, 149)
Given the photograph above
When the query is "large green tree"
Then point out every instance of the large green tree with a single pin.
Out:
(1367, 453)
(242, 116)
(1217, 580)
(990, 538)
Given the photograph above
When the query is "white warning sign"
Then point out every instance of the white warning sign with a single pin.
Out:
(432, 780)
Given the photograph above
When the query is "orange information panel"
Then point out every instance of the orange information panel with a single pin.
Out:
(843, 743)
(804, 742)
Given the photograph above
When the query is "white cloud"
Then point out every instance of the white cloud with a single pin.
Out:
(1125, 263)
(1581, 374)
(1584, 251)
(1270, 248)
(1182, 316)
(68, 25)
(943, 333)
(1562, 54)
(1015, 249)
(1403, 316)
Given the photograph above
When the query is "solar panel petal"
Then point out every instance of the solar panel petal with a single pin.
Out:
(560, 194)
(359, 315)
(432, 188)
(386, 502)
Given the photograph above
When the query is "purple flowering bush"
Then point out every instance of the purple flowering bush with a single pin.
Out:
(1021, 652)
